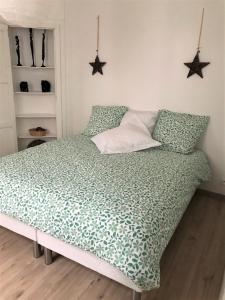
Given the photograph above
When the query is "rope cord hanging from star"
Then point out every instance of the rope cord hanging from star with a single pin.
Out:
(97, 65)
(196, 66)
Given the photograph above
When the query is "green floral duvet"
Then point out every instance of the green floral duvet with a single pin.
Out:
(123, 208)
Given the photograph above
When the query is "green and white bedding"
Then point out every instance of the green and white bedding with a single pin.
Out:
(123, 208)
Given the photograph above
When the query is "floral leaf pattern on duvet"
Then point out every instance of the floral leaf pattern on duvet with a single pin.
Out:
(123, 207)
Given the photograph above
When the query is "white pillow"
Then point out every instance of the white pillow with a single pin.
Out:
(125, 139)
(146, 117)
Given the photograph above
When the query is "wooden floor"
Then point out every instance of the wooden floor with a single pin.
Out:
(191, 268)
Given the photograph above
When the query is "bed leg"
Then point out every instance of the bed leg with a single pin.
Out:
(36, 250)
(48, 256)
(136, 295)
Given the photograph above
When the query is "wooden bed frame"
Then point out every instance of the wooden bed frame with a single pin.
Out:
(85, 258)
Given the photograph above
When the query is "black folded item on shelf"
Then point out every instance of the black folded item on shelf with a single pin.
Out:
(35, 143)
(24, 86)
(45, 86)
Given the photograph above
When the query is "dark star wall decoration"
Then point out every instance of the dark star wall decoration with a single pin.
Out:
(196, 66)
(97, 66)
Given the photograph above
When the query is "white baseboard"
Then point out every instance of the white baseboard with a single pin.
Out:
(222, 292)
(214, 186)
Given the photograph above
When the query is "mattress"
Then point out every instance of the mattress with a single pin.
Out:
(123, 208)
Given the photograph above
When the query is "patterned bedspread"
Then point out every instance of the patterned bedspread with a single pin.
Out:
(123, 208)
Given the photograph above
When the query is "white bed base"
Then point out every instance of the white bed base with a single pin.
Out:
(85, 258)
(22, 229)
(18, 227)
(82, 257)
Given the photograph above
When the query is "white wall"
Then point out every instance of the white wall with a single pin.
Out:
(16, 10)
(145, 44)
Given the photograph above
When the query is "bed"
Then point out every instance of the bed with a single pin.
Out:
(112, 213)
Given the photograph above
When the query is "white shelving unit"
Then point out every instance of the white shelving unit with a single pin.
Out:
(35, 108)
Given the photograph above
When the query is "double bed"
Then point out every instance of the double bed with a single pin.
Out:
(114, 214)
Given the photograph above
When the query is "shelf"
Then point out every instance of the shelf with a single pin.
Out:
(34, 108)
(33, 68)
(49, 136)
(35, 93)
(40, 116)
